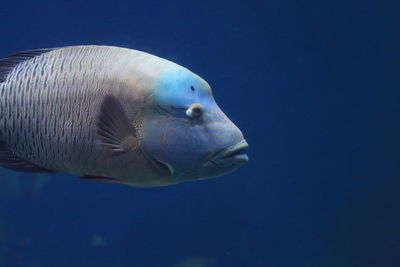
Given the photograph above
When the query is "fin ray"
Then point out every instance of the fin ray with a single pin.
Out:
(113, 127)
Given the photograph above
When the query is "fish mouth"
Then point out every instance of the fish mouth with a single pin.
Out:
(230, 156)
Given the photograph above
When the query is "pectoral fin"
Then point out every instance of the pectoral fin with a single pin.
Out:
(115, 134)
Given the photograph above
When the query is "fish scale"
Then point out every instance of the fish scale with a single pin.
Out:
(45, 86)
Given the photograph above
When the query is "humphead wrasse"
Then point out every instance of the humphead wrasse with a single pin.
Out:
(112, 114)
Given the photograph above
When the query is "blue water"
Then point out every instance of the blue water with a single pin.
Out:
(313, 85)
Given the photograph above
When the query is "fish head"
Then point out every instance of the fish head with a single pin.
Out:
(188, 132)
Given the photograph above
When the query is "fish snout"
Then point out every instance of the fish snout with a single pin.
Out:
(231, 156)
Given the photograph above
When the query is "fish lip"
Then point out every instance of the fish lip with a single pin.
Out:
(234, 154)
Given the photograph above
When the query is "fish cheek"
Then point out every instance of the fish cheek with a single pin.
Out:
(173, 141)
(184, 146)
(157, 135)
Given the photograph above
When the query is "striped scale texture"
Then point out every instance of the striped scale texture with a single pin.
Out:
(49, 105)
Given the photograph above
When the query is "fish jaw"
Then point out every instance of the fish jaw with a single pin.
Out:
(229, 158)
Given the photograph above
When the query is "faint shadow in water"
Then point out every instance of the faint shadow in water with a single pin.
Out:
(367, 232)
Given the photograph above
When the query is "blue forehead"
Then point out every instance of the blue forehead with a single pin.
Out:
(181, 88)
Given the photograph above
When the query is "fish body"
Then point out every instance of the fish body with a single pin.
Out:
(111, 114)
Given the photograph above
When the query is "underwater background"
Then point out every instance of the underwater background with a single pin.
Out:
(313, 85)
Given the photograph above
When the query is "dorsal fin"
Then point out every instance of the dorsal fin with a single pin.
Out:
(7, 64)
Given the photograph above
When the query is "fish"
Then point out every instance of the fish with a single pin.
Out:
(113, 114)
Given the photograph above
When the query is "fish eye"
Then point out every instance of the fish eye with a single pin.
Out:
(192, 88)
(194, 111)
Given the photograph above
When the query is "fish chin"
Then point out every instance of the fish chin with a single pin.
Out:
(216, 169)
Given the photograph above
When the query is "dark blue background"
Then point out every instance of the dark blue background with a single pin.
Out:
(314, 86)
